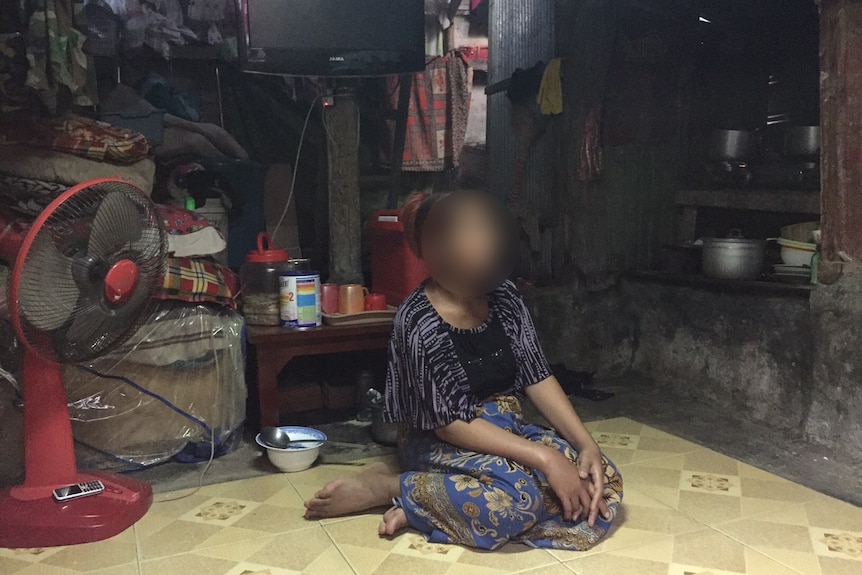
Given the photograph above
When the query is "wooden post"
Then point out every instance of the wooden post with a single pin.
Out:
(345, 225)
(841, 123)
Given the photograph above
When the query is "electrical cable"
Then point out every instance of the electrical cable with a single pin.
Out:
(11, 380)
(296, 166)
(213, 440)
(209, 462)
(200, 484)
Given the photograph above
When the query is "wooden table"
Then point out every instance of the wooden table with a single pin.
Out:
(275, 346)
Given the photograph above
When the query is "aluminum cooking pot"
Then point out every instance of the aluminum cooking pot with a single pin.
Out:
(381, 431)
(733, 258)
(731, 145)
(802, 141)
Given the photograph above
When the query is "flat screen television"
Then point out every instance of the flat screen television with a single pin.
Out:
(332, 37)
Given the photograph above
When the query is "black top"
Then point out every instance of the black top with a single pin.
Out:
(427, 385)
(486, 355)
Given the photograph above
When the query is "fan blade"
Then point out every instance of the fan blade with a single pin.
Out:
(152, 245)
(117, 223)
(47, 292)
(94, 329)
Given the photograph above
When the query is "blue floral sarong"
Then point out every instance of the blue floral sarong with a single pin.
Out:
(452, 495)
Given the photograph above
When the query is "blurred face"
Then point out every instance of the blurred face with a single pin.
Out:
(466, 243)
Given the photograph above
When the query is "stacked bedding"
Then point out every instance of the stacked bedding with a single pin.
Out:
(177, 387)
(177, 384)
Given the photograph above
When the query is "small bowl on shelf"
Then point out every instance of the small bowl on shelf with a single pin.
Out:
(298, 456)
(795, 253)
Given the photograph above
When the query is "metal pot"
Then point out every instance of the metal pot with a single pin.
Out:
(731, 145)
(802, 141)
(733, 258)
(381, 431)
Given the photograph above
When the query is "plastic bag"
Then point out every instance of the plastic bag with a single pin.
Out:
(177, 384)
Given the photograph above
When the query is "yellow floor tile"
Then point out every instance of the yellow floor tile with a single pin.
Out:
(621, 425)
(779, 491)
(709, 461)
(236, 550)
(34, 555)
(461, 569)
(825, 511)
(274, 519)
(177, 537)
(309, 551)
(396, 565)
(687, 510)
(605, 563)
(791, 535)
(364, 560)
(549, 570)
(259, 489)
(641, 520)
(10, 566)
(361, 531)
(187, 563)
(39, 569)
(515, 557)
(119, 550)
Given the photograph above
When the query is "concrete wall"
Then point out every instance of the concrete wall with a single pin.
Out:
(835, 417)
(591, 332)
(787, 361)
(748, 354)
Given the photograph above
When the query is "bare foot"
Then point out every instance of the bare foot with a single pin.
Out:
(374, 486)
(394, 521)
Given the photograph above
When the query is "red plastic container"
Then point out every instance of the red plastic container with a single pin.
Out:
(395, 271)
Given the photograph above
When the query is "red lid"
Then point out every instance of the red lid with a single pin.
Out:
(267, 255)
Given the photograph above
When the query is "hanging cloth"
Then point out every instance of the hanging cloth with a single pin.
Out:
(550, 98)
(59, 70)
(437, 114)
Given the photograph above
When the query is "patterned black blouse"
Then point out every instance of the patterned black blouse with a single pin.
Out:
(427, 385)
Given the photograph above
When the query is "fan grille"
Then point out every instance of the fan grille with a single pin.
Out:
(62, 312)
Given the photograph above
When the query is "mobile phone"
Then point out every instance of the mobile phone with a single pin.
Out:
(78, 490)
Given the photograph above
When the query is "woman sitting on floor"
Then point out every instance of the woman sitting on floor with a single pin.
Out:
(463, 352)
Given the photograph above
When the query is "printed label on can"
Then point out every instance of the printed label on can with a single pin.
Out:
(300, 300)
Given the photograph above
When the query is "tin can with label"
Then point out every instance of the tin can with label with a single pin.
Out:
(300, 299)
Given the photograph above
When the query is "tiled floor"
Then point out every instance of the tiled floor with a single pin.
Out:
(687, 511)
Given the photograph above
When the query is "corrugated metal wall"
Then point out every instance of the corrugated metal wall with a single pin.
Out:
(520, 33)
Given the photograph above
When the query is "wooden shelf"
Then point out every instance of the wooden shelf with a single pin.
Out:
(783, 201)
(766, 288)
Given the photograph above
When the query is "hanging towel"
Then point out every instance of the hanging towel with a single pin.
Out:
(437, 115)
(550, 98)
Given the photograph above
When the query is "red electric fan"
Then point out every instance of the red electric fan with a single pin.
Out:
(82, 273)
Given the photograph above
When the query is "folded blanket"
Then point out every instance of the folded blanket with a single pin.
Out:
(28, 196)
(183, 137)
(180, 336)
(199, 281)
(61, 168)
(190, 234)
(78, 136)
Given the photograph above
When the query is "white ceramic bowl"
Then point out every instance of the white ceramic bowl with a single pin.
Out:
(796, 253)
(298, 457)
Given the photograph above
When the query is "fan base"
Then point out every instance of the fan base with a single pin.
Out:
(43, 522)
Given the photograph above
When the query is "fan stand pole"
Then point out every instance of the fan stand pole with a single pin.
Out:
(49, 452)
(29, 515)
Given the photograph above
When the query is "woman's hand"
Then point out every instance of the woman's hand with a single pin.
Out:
(590, 469)
(552, 403)
(572, 491)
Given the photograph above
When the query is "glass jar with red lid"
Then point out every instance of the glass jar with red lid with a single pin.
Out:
(259, 278)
